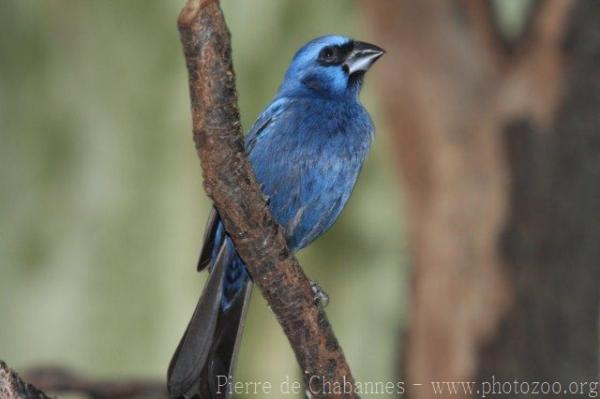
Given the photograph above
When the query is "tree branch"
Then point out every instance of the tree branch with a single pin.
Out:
(230, 183)
(13, 387)
(60, 380)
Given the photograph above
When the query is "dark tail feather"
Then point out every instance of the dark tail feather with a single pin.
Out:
(210, 343)
(220, 367)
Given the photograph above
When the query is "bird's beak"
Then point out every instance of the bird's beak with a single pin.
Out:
(362, 56)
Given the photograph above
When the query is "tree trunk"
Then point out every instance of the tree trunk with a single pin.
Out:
(498, 145)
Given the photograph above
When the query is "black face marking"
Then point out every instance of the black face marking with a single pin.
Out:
(335, 55)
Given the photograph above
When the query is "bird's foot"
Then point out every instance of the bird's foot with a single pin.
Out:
(321, 297)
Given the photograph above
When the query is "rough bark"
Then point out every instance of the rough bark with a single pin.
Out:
(61, 381)
(13, 387)
(230, 183)
(497, 145)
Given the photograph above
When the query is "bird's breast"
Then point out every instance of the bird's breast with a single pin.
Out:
(309, 168)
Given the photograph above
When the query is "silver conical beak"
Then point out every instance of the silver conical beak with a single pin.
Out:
(362, 56)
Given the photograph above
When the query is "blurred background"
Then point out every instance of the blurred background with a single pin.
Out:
(468, 249)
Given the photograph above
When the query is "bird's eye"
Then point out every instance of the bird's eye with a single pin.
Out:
(328, 55)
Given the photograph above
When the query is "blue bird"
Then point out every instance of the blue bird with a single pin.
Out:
(307, 149)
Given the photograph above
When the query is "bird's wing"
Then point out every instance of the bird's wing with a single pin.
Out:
(214, 232)
(266, 118)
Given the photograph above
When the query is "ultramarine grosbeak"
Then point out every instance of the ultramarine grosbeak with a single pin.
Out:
(306, 149)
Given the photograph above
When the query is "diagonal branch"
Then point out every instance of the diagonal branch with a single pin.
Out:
(13, 387)
(230, 183)
(58, 380)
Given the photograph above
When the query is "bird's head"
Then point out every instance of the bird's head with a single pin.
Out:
(330, 66)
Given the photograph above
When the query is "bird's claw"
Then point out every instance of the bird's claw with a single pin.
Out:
(321, 297)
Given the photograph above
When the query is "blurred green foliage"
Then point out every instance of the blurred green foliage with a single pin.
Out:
(102, 208)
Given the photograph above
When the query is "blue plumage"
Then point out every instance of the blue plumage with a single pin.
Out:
(307, 160)
(307, 149)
